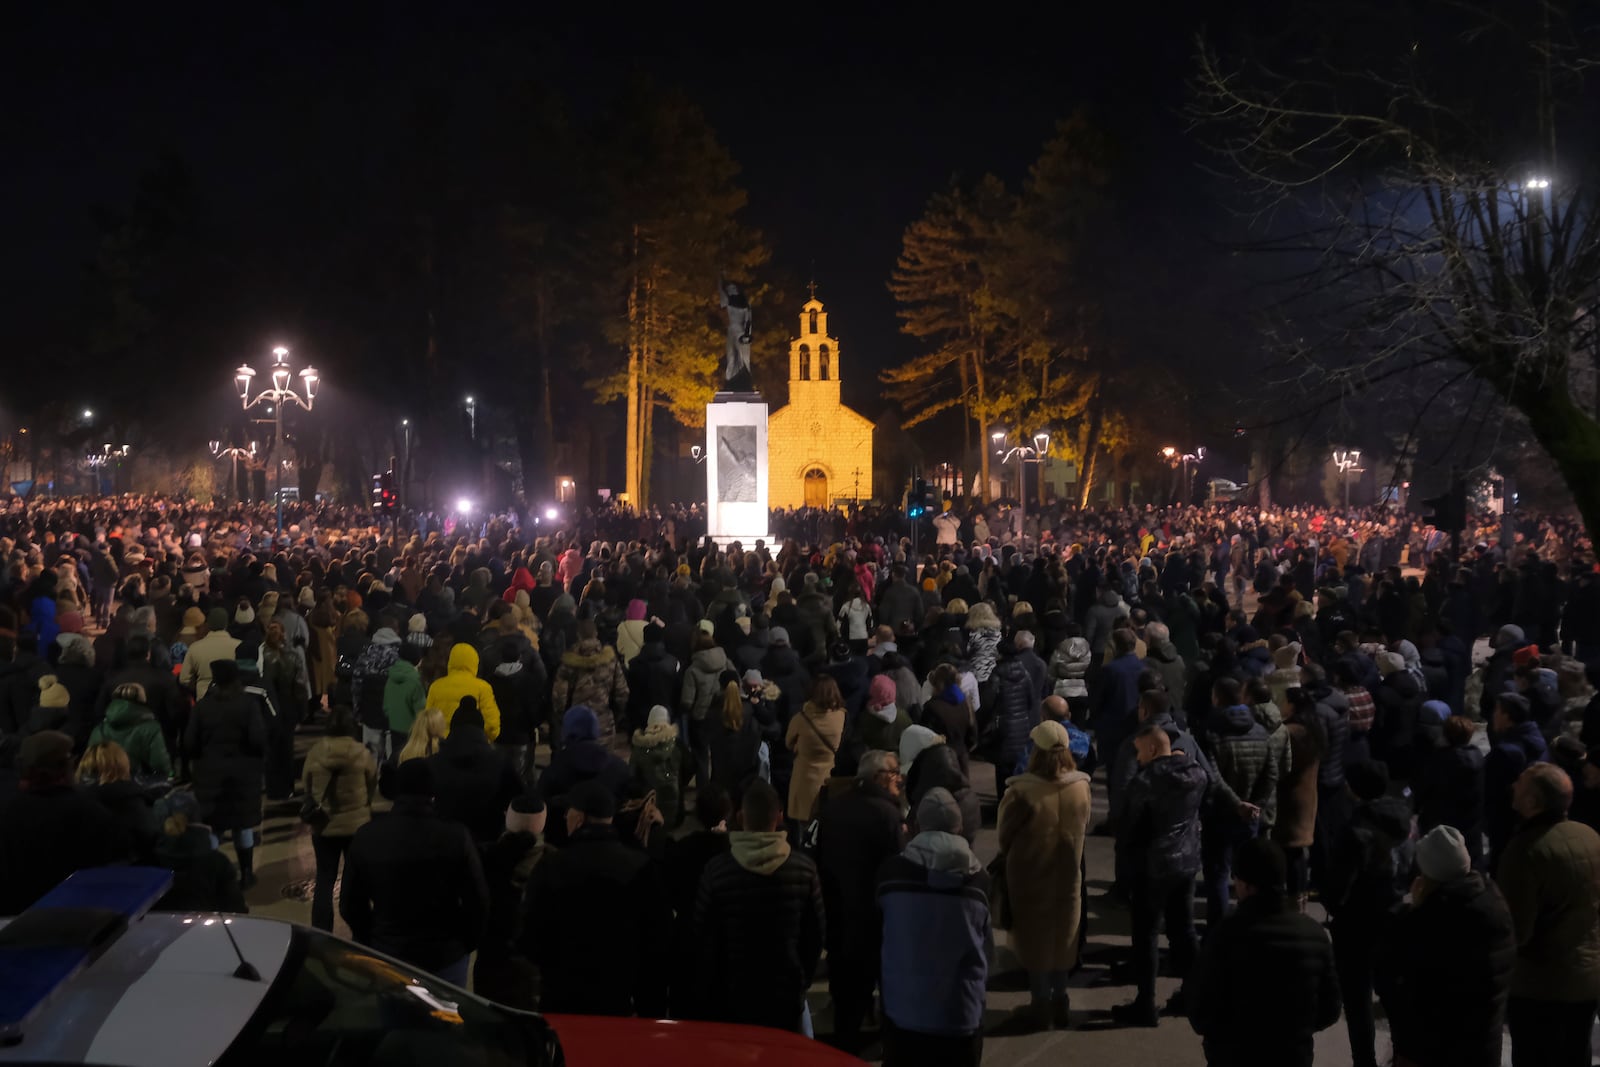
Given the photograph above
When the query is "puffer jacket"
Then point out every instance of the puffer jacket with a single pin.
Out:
(371, 675)
(701, 686)
(592, 674)
(1333, 712)
(659, 760)
(1243, 754)
(461, 680)
(1017, 711)
(1509, 755)
(1163, 657)
(1162, 816)
(937, 768)
(1279, 752)
(349, 767)
(1069, 667)
(652, 680)
(134, 727)
(1550, 875)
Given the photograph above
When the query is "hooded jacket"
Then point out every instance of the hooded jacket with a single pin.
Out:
(937, 936)
(1069, 666)
(403, 696)
(519, 688)
(592, 675)
(701, 687)
(371, 676)
(660, 761)
(348, 765)
(134, 727)
(460, 681)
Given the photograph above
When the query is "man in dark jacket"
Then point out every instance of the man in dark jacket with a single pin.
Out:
(1444, 970)
(1117, 700)
(473, 782)
(1161, 829)
(937, 941)
(1368, 869)
(758, 923)
(897, 602)
(596, 919)
(1399, 700)
(850, 671)
(857, 833)
(160, 689)
(1017, 698)
(1515, 744)
(413, 883)
(581, 758)
(520, 684)
(1242, 753)
(1265, 985)
(652, 677)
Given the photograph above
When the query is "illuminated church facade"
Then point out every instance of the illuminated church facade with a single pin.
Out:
(819, 452)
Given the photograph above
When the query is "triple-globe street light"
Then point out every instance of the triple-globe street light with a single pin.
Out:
(276, 396)
(1022, 454)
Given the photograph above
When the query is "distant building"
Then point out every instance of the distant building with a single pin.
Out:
(819, 452)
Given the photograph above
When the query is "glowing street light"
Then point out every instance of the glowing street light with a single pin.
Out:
(1348, 462)
(1538, 183)
(279, 394)
(1023, 455)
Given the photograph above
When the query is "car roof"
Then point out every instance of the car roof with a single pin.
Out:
(162, 995)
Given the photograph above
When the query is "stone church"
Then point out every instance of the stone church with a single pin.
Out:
(819, 452)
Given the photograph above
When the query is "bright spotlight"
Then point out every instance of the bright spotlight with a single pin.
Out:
(551, 513)
(464, 506)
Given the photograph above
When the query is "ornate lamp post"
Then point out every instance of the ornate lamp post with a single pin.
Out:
(1022, 455)
(276, 396)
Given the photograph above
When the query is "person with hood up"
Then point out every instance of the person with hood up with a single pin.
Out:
(473, 781)
(519, 685)
(226, 742)
(461, 681)
(884, 721)
(580, 758)
(1369, 868)
(937, 941)
(591, 675)
(759, 925)
(202, 877)
(341, 776)
(661, 762)
(371, 678)
(1069, 667)
(131, 724)
(1515, 744)
(404, 697)
(1285, 672)
(1444, 970)
(630, 632)
(1042, 824)
(521, 581)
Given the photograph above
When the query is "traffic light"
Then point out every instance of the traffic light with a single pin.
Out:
(1448, 511)
(917, 499)
(383, 497)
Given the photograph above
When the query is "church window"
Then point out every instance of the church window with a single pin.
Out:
(822, 362)
(813, 320)
(805, 363)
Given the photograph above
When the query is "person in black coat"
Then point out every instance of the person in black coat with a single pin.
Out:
(49, 828)
(162, 695)
(202, 878)
(1399, 701)
(226, 742)
(413, 883)
(1449, 788)
(850, 671)
(520, 686)
(596, 919)
(684, 864)
(1017, 697)
(1444, 970)
(1264, 984)
(857, 832)
(947, 714)
(652, 677)
(581, 758)
(473, 781)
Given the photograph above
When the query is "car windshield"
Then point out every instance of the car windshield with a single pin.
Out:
(336, 1005)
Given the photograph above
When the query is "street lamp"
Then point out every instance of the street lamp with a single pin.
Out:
(1022, 454)
(1349, 462)
(276, 397)
(405, 461)
(472, 418)
(234, 454)
(1184, 460)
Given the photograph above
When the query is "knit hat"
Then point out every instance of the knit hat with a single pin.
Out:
(593, 799)
(913, 742)
(1049, 735)
(306, 598)
(70, 622)
(938, 810)
(1286, 657)
(1526, 656)
(580, 724)
(1442, 855)
(654, 631)
(193, 619)
(880, 694)
(52, 694)
(413, 778)
(46, 752)
(526, 812)
(217, 619)
(1260, 862)
(245, 615)
(1433, 713)
(1368, 779)
(778, 637)
(659, 716)
(224, 671)
(467, 714)
(707, 625)
(383, 635)
(1509, 637)
(1390, 662)
(417, 624)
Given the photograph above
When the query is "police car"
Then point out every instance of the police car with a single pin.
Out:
(89, 976)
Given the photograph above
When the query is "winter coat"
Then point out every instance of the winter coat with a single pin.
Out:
(403, 696)
(349, 766)
(591, 674)
(876, 732)
(898, 604)
(858, 831)
(851, 674)
(1280, 755)
(1016, 712)
(1369, 865)
(702, 687)
(1394, 736)
(135, 728)
(815, 750)
(46, 835)
(782, 667)
(735, 754)
(1296, 821)
(936, 768)
(203, 879)
(473, 782)
(129, 803)
(1509, 755)
(954, 722)
(1444, 975)
(461, 681)
(652, 681)
(196, 672)
(937, 936)
(758, 931)
(1160, 821)
(661, 762)
(226, 741)
(1163, 657)
(574, 762)
(1244, 756)
(1550, 875)
(519, 688)
(1450, 792)
(414, 886)
(1264, 984)
(1041, 827)
(371, 679)
(1333, 712)
(618, 966)
(1069, 667)
(1101, 618)
(1119, 694)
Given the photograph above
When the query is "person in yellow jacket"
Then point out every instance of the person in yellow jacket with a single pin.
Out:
(461, 680)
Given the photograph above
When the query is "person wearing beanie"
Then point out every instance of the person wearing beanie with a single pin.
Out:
(413, 882)
(502, 972)
(652, 676)
(660, 761)
(49, 829)
(581, 758)
(1265, 983)
(1041, 825)
(1369, 868)
(214, 644)
(858, 830)
(226, 742)
(417, 632)
(758, 923)
(51, 710)
(473, 780)
(937, 942)
(1444, 969)
(616, 967)
(884, 721)
(1549, 873)
(131, 723)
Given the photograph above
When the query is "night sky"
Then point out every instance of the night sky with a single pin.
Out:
(844, 122)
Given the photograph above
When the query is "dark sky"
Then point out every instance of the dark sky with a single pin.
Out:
(844, 121)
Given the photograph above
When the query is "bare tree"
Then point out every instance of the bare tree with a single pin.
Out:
(1430, 190)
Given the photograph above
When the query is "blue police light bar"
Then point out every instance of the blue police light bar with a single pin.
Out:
(67, 929)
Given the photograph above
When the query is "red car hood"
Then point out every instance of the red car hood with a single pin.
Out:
(603, 1041)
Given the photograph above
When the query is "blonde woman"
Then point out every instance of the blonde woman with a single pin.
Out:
(106, 773)
(426, 733)
(983, 641)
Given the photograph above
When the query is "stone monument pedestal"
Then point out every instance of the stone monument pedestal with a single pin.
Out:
(736, 469)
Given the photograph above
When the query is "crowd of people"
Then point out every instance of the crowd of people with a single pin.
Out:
(606, 766)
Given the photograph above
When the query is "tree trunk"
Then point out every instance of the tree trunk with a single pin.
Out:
(1088, 451)
(635, 348)
(1572, 439)
(983, 431)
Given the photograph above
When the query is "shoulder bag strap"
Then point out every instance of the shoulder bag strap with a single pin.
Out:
(824, 740)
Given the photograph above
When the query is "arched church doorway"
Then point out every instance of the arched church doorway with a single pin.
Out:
(816, 488)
